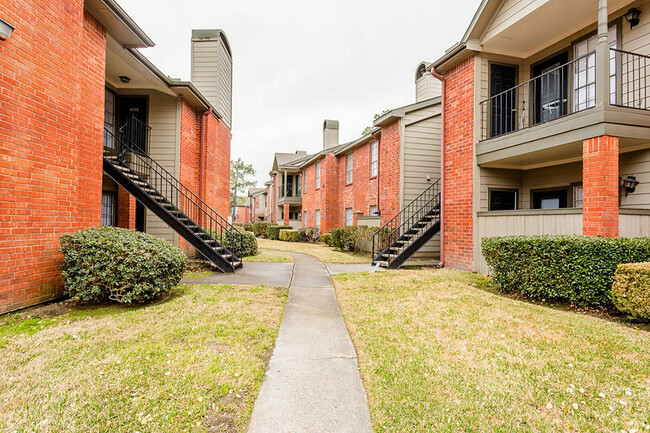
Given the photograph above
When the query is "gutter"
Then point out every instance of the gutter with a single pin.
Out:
(450, 54)
(442, 166)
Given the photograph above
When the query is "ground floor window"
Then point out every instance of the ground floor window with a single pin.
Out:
(108, 208)
(550, 199)
(349, 220)
(317, 218)
(503, 199)
(304, 220)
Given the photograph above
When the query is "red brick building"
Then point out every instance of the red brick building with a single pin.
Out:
(366, 181)
(548, 134)
(71, 76)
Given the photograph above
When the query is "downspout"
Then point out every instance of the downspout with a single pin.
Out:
(442, 168)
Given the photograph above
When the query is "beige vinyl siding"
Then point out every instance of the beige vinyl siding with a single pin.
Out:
(496, 178)
(557, 176)
(637, 39)
(539, 222)
(421, 158)
(636, 164)
(633, 225)
(427, 87)
(510, 12)
(164, 148)
(225, 84)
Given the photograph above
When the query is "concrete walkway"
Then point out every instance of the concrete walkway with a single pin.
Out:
(312, 382)
(252, 273)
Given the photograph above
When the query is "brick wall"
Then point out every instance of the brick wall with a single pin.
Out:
(215, 182)
(242, 214)
(600, 182)
(389, 166)
(51, 132)
(362, 192)
(459, 153)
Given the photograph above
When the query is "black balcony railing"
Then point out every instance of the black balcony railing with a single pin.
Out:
(632, 80)
(564, 90)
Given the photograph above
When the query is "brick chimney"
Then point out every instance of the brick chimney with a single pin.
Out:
(330, 134)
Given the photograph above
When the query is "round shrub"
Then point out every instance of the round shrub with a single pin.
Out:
(335, 239)
(287, 235)
(243, 244)
(122, 265)
(326, 238)
(259, 228)
(631, 290)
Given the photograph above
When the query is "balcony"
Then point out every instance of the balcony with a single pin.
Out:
(525, 124)
(288, 196)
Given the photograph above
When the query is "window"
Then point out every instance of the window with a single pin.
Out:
(349, 219)
(503, 199)
(299, 185)
(317, 218)
(318, 175)
(304, 219)
(550, 199)
(374, 158)
(349, 168)
(372, 210)
(584, 74)
(304, 182)
(109, 119)
(577, 196)
(108, 208)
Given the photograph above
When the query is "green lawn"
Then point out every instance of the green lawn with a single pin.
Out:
(439, 354)
(323, 252)
(193, 362)
(269, 256)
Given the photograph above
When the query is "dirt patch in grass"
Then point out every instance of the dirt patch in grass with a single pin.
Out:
(192, 362)
(323, 252)
(439, 354)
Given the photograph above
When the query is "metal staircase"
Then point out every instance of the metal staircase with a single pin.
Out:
(408, 231)
(127, 164)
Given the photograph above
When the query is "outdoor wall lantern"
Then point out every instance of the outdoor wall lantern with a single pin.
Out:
(630, 183)
(5, 29)
(632, 17)
(125, 79)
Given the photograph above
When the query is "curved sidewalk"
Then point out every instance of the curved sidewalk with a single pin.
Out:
(312, 382)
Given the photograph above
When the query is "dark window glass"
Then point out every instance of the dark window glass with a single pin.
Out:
(554, 199)
(503, 199)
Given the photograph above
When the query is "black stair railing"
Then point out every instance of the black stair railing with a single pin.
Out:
(119, 151)
(403, 222)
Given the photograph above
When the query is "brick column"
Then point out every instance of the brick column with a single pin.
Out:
(286, 214)
(600, 182)
(125, 209)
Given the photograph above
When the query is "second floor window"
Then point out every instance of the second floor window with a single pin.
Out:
(372, 210)
(298, 185)
(374, 158)
(318, 175)
(349, 168)
(304, 181)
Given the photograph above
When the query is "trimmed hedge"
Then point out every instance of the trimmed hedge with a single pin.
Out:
(273, 231)
(631, 290)
(335, 239)
(578, 269)
(326, 238)
(248, 247)
(259, 228)
(288, 235)
(109, 263)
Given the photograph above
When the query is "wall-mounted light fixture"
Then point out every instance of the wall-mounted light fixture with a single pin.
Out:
(125, 79)
(5, 29)
(632, 17)
(630, 183)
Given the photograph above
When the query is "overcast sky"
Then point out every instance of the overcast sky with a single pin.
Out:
(298, 62)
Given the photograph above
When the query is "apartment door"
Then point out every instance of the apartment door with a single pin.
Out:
(504, 99)
(134, 107)
(550, 88)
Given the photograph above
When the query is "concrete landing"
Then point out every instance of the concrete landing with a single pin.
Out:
(312, 382)
(251, 274)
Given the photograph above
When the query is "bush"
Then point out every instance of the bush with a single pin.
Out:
(122, 265)
(578, 269)
(326, 238)
(309, 234)
(248, 227)
(259, 228)
(631, 290)
(335, 240)
(273, 231)
(243, 245)
(288, 235)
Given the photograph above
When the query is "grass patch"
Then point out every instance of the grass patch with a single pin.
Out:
(196, 274)
(269, 256)
(439, 352)
(323, 252)
(193, 362)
